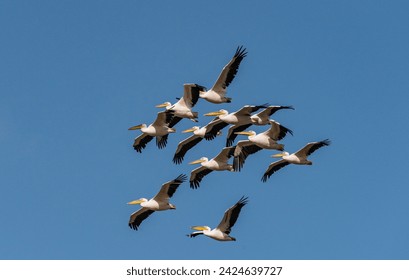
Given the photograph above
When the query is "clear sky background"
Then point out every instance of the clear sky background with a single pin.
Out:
(74, 75)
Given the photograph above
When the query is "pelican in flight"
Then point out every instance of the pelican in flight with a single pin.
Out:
(256, 142)
(299, 157)
(183, 107)
(159, 202)
(263, 118)
(218, 163)
(159, 129)
(208, 132)
(240, 119)
(217, 93)
(222, 231)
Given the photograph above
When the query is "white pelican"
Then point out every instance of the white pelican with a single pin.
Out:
(159, 202)
(262, 118)
(256, 142)
(218, 163)
(208, 132)
(240, 119)
(158, 128)
(299, 157)
(241, 116)
(222, 231)
(183, 107)
(217, 93)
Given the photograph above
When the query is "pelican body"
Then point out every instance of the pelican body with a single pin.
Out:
(159, 202)
(300, 157)
(159, 129)
(222, 231)
(218, 163)
(183, 107)
(263, 118)
(208, 132)
(217, 94)
(256, 142)
(241, 116)
(239, 119)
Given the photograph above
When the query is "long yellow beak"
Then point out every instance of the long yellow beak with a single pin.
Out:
(217, 113)
(139, 126)
(133, 202)
(278, 155)
(197, 161)
(189, 130)
(248, 133)
(161, 105)
(198, 227)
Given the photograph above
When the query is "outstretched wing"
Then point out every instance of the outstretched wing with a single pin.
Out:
(225, 154)
(184, 146)
(163, 118)
(231, 215)
(213, 128)
(169, 188)
(277, 131)
(161, 141)
(140, 142)
(229, 71)
(243, 149)
(311, 147)
(138, 217)
(174, 121)
(197, 175)
(231, 135)
(191, 94)
(274, 167)
(248, 109)
(270, 110)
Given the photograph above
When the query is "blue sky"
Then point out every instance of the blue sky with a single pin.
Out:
(76, 74)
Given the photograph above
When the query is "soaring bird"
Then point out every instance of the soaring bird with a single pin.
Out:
(222, 231)
(240, 119)
(218, 163)
(263, 118)
(256, 142)
(299, 157)
(208, 132)
(159, 129)
(159, 202)
(183, 107)
(217, 93)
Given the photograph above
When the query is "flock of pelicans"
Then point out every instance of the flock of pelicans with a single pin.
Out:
(239, 121)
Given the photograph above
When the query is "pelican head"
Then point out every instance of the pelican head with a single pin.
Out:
(139, 126)
(248, 133)
(164, 104)
(138, 201)
(202, 159)
(201, 228)
(217, 113)
(280, 155)
(193, 129)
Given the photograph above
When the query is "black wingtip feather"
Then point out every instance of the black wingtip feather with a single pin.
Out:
(194, 184)
(243, 201)
(240, 52)
(177, 160)
(326, 142)
(181, 178)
